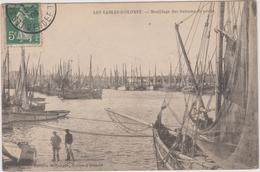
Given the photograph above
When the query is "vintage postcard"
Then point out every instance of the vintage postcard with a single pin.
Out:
(129, 86)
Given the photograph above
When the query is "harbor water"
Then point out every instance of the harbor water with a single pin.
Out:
(95, 152)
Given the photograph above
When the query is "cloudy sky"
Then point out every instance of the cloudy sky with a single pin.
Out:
(135, 39)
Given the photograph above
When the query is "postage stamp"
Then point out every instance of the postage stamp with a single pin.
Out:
(24, 22)
(20, 16)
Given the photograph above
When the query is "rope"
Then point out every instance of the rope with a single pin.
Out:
(91, 133)
(199, 9)
(174, 115)
(100, 120)
(127, 129)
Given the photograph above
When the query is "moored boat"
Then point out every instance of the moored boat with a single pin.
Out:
(83, 94)
(169, 159)
(230, 141)
(28, 116)
(86, 91)
(18, 154)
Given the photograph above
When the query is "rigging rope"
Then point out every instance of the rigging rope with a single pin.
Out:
(92, 133)
(125, 127)
(100, 120)
(115, 117)
(199, 9)
(174, 115)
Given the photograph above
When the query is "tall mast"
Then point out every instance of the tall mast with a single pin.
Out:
(154, 80)
(141, 77)
(8, 75)
(126, 80)
(90, 73)
(123, 74)
(116, 76)
(131, 74)
(219, 60)
(111, 78)
(149, 76)
(189, 66)
(170, 75)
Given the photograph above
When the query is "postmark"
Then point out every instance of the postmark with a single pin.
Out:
(25, 22)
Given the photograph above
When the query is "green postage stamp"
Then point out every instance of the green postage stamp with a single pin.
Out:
(25, 22)
(21, 20)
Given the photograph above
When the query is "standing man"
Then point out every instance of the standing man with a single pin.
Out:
(68, 143)
(55, 142)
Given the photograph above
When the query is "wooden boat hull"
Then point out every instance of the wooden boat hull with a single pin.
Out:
(38, 99)
(205, 91)
(33, 116)
(44, 90)
(160, 152)
(7, 126)
(136, 88)
(38, 107)
(19, 154)
(83, 94)
(176, 160)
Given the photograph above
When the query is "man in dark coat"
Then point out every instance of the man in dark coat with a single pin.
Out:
(68, 145)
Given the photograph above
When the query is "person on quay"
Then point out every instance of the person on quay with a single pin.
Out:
(55, 142)
(68, 145)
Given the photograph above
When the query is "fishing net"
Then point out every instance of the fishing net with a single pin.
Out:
(128, 124)
(233, 140)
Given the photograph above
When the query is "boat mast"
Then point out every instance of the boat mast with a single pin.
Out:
(219, 60)
(90, 73)
(141, 77)
(188, 65)
(126, 79)
(149, 77)
(170, 75)
(180, 73)
(123, 75)
(79, 77)
(155, 77)
(8, 77)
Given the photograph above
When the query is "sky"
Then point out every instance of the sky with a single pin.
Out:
(145, 39)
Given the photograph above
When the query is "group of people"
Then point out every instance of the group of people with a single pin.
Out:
(56, 142)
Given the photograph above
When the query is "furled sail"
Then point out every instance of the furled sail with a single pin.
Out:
(4, 73)
(233, 141)
(21, 93)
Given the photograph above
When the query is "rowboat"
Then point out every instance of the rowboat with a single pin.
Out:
(18, 154)
(28, 116)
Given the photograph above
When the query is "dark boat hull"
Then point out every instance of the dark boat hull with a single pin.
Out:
(83, 94)
(10, 117)
(19, 154)
(176, 160)
(160, 152)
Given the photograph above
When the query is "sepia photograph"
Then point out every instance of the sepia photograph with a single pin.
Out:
(126, 86)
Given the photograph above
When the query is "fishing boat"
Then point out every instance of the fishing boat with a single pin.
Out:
(124, 86)
(223, 137)
(22, 106)
(171, 85)
(231, 140)
(7, 126)
(91, 91)
(18, 154)
(84, 93)
(29, 116)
